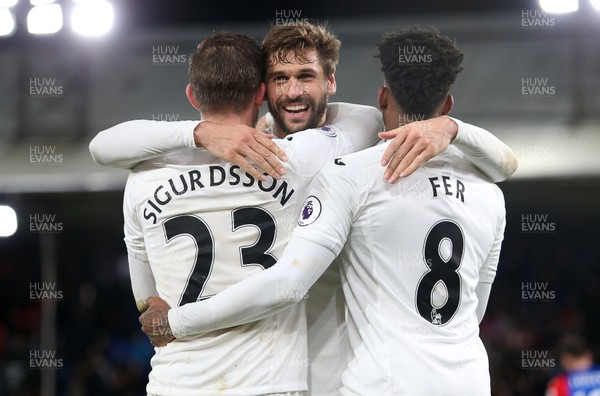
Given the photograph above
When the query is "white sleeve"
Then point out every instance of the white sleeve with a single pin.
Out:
(127, 144)
(334, 198)
(310, 150)
(486, 151)
(482, 291)
(487, 273)
(303, 261)
(143, 284)
(359, 124)
(355, 128)
(256, 297)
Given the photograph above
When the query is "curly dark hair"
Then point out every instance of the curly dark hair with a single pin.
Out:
(419, 65)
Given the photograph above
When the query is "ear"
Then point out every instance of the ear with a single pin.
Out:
(190, 95)
(382, 98)
(331, 85)
(260, 95)
(448, 105)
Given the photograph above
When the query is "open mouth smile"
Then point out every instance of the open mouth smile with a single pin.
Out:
(297, 109)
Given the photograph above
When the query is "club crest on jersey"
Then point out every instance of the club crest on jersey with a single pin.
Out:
(328, 131)
(311, 210)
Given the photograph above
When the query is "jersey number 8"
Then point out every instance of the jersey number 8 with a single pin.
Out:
(443, 263)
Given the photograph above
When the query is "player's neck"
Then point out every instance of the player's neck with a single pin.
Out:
(233, 118)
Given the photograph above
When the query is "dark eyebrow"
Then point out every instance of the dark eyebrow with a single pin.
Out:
(282, 73)
(313, 71)
(275, 74)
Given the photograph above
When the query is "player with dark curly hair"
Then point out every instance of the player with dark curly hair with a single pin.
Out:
(419, 61)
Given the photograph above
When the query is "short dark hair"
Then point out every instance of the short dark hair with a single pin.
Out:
(226, 71)
(300, 37)
(419, 83)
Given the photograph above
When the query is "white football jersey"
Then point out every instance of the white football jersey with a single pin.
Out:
(327, 336)
(203, 225)
(414, 253)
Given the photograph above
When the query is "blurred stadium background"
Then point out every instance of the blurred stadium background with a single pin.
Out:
(68, 322)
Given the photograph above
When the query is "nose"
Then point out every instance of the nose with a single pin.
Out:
(294, 88)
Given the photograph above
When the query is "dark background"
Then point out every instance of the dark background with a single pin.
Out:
(97, 334)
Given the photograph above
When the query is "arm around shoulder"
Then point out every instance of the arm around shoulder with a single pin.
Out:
(127, 144)
(256, 297)
(359, 124)
(488, 153)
